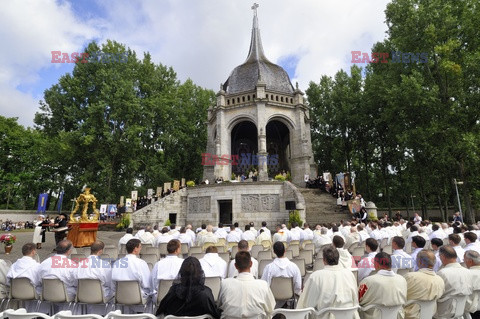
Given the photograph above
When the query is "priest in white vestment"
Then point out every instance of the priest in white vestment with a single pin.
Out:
(212, 264)
(125, 238)
(418, 243)
(472, 261)
(423, 285)
(458, 281)
(232, 270)
(346, 259)
(385, 288)
(332, 286)
(400, 259)
(167, 268)
(245, 296)
(366, 266)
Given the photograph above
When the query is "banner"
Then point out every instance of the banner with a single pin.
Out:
(150, 192)
(103, 209)
(112, 210)
(122, 200)
(60, 200)
(134, 195)
(42, 203)
(166, 187)
(176, 185)
(128, 202)
(183, 182)
(159, 191)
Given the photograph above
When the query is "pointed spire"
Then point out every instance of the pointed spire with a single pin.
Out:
(256, 48)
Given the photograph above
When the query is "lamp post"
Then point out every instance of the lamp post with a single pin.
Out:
(458, 196)
(413, 204)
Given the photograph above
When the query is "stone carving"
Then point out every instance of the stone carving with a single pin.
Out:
(199, 205)
(260, 203)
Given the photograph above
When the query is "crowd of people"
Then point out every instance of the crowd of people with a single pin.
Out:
(9, 225)
(442, 263)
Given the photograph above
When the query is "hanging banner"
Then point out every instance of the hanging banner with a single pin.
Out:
(176, 185)
(112, 210)
(134, 195)
(183, 182)
(103, 209)
(122, 200)
(128, 202)
(166, 187)
(150, 192)
(60, 200)
(42, 203)
(159, 191)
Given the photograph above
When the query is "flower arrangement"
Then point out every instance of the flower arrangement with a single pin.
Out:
(8, 239)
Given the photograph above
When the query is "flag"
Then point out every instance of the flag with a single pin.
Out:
(60, 200)
(112, 210)
(42, 203)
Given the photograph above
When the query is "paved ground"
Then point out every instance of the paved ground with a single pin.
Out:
(24, 237)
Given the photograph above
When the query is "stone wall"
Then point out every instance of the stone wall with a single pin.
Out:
(24, 215)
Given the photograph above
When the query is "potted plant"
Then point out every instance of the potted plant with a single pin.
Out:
(8, 240)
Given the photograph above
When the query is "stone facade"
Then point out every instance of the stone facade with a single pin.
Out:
(260, 92)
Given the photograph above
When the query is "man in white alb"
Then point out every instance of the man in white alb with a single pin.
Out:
(400, 259)
(366, 266)
(212, 264)
(418, 243)
(248, 235)
(472, 261)
(332, 286)
(128, 235)
(471, 242)
(346, 259)
(168, 267)
(245, 296)
(232, 270)
(454, 241)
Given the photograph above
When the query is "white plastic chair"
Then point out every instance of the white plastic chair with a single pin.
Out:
(282, 289)
(23, 314)
(205, 316)
(118, 314)
(294, 313)
(339, 313)
(427, 308)
(214, 284)
(387, 312)
(67, 314)
(458, 303)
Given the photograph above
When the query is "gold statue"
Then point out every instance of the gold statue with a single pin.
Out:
(85, 199)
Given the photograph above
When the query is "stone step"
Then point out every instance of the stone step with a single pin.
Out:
(321, 207)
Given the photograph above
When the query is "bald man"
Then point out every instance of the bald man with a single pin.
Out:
(458, 281)
(424, 284)
(472, 261)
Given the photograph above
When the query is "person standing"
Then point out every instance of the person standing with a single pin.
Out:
(61, 228)
(39, 233)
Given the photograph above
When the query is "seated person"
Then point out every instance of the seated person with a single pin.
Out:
(189, 296)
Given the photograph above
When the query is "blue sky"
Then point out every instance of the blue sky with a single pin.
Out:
(201, 39)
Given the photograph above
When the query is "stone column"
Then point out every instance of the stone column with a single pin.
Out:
(262, 156)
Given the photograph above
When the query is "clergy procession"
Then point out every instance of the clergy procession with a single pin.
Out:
(348, 270)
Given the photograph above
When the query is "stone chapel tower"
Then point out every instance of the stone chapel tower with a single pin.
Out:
(261, 115)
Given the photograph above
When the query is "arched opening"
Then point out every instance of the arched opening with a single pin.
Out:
(244, 141)
(278, 144)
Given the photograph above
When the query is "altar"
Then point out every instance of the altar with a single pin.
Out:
(82, 234)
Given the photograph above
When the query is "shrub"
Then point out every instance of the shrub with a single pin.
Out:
(294, 216)
(280, 178)
(167, 222)
(124, 222)
(190, 183)
(289, 177)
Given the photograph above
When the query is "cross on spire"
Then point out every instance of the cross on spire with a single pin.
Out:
(254, 8)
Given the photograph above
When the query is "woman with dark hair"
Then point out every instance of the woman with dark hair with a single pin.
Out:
(188, 295)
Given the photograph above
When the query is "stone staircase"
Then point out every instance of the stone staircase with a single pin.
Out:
(321, 207)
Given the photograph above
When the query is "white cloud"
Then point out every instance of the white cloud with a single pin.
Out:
(202, 39)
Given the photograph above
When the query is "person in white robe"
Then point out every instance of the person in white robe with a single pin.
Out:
(61, 267)
(125, 238)
(221, 232)
(437, 232)
(39, 232)
(212, 264)
(234, 236)
(185, 238)
(423, 285)
(472, 261)
(173, 231)
(164, 237)
(263, 236)
(307, 232)
(385, 288)
(25, 267)
(265, 229)
(458, 281)
(413, 232)
(366, 266)
(190, 233)
(248, 235)
(362, 233)
(208, 238)
(454, 241)
(332, 286)
(296, 233)
(282, 267)
(245, 296)
(139, 233)
(280, 235)
(322, 239)
(436, 244)
(232, 270)
(471, 242)
(94, 267)
(346, 259)
(147, 237)
(167, 268)
(418, 243)
(400, 259)
(131, 267)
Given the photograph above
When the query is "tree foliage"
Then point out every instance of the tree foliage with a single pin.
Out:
(408, 129)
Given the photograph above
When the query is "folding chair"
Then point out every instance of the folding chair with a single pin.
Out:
(339, 313)
(235, 251)
(301, 265)
(306, 255)
(197, 255)
(67, 314)
(128, 293)
(264, 255)
(214, 284)
(117, 314)
(427, 308)
(90, 292)
(23, 314)
(255, 250)
(163, 288)
(458, 303)
(282, 289)
(54, 292)
(162, 249)
(261, 266)
(194, 250)
(294, 313)
(225, 256)
(22, 289)
(150, 258)
(386, 312)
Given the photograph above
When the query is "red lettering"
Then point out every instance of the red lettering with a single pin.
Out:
(365, 58)
(55, 58)
(225, 160)
(84, 263)
(65, 58)
(65, 263)
(84, 57)
(215, 159)
(74, 57)
(56, 261)
(234, 160)
(374, 57)
(355, 56)
(207, 159)
(384, 57)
